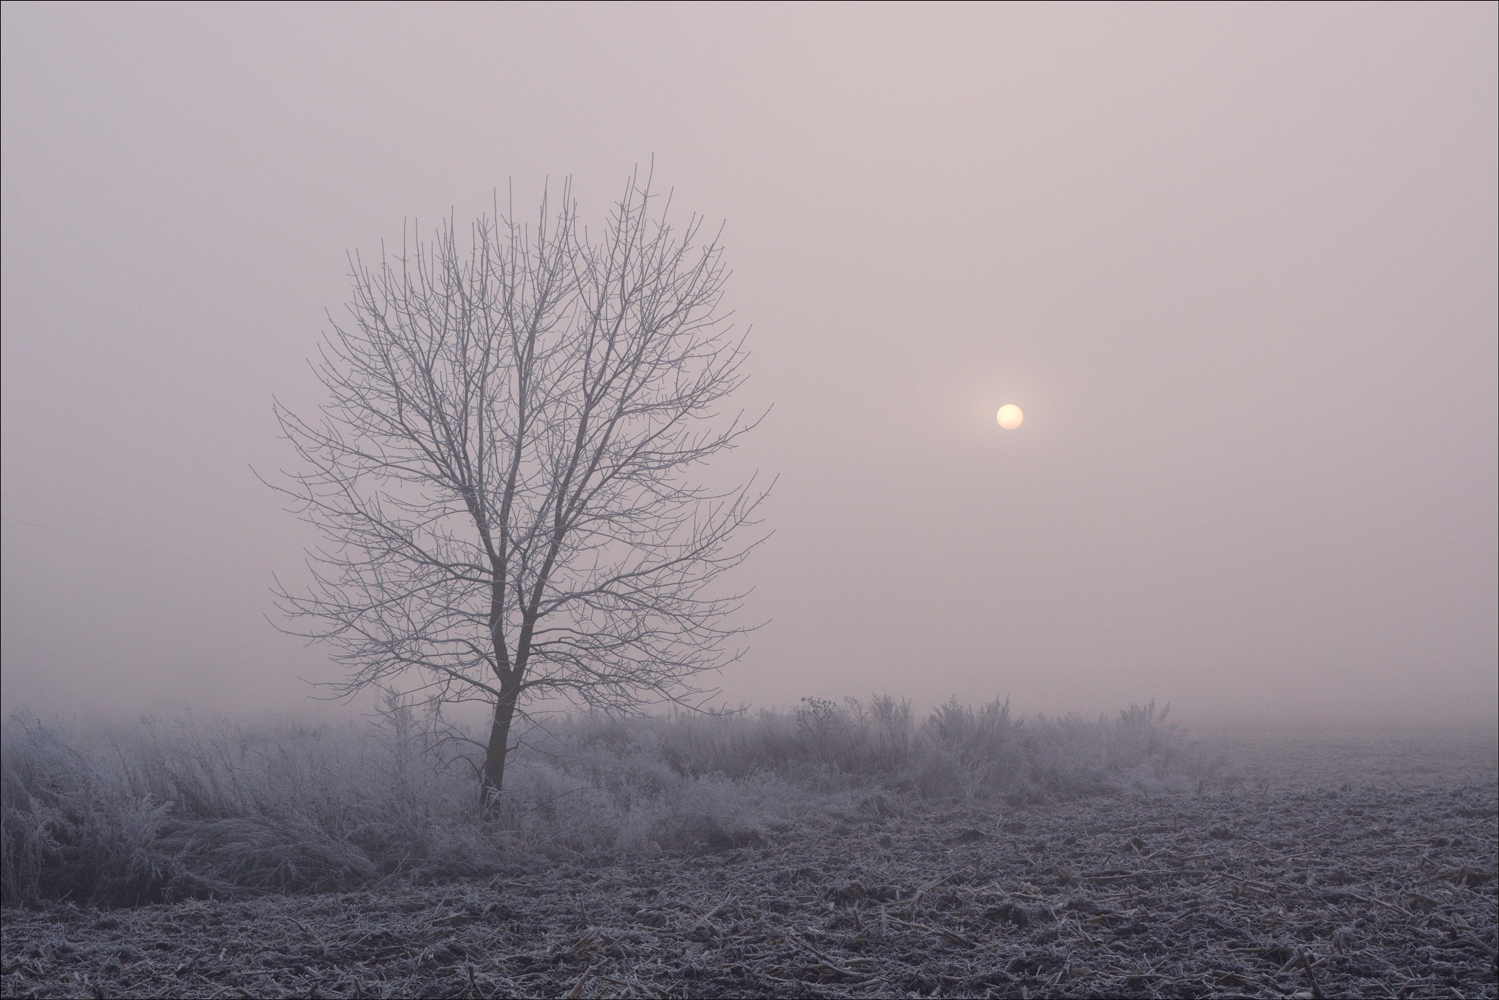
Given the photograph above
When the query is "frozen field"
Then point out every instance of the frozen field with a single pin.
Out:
(1342, 861)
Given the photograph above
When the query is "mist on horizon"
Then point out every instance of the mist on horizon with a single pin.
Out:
(1237, 266)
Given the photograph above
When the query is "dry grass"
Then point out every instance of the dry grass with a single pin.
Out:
(210, 809)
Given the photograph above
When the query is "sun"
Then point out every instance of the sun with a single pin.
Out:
(1009, 416)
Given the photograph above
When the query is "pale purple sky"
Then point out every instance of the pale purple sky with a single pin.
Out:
(1236, 262)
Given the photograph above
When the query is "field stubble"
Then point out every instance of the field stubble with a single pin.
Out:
(1105, 859)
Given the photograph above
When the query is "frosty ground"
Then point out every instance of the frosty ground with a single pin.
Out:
(1352, 862)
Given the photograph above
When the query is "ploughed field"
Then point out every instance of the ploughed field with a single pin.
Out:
(1340, 864)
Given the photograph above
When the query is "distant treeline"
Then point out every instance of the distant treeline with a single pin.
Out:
(198, 809)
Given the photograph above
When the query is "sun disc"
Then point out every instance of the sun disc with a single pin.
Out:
(1009, 416)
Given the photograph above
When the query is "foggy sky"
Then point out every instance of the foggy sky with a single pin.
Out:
(1236, 263)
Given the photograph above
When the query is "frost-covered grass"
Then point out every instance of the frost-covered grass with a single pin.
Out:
(211, 808)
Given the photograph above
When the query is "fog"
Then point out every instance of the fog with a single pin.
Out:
(1236, 263)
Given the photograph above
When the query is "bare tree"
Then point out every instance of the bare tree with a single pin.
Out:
(501, 474)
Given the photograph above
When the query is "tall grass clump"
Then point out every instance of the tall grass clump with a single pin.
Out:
(958, 750)
(212, 809)
(197, 808)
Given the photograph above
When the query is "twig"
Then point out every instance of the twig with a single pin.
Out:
(577, 990)
(1306, 963)
(826, 961)
(1481, 944)
(1379, 902)
(916, 900)
(1262, 887)
(1424, 899)
(952, 936)
(1145, 873)
(642, 986)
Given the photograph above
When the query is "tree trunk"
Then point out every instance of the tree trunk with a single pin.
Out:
(494, 756)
